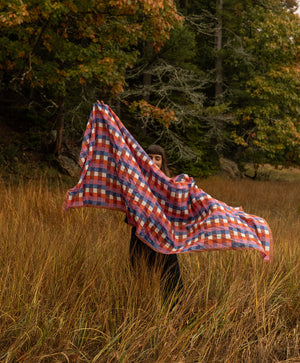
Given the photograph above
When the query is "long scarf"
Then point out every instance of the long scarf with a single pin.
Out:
(171, 215)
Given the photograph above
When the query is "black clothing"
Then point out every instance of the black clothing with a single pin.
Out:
(170, 270)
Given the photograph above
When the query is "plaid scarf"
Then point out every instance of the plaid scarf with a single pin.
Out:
(171, 215)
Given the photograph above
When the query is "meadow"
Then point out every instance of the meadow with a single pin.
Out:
(67, 293)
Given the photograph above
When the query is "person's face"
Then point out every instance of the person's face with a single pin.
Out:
(157, 159)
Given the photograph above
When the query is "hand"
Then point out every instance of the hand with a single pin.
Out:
(100, 102)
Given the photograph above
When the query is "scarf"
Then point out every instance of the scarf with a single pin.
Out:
(171, 215)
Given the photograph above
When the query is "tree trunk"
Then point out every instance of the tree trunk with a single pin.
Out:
(218, 48)
(147, 79)
(60, 121)
(147, 76)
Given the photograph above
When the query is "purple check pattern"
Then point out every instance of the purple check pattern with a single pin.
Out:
(171, 215)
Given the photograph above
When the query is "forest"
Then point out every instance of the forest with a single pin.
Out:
(205, 79)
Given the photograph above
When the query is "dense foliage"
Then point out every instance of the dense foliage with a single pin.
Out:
(204, 79)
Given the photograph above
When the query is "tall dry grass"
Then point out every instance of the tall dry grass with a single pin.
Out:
(67, 293)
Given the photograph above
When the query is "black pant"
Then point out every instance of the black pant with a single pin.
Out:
(168, 264)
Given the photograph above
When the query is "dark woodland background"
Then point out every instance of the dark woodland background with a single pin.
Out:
(208, 80)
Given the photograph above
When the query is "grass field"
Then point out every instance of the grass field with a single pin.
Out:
(67, 293)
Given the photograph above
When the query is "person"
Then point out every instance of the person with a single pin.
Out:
(171, 280)
(167, 264)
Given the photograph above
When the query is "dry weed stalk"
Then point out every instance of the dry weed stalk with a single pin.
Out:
(67, 293)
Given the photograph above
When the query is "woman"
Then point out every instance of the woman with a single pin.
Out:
(166, 263)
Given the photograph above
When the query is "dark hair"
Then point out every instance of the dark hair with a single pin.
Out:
(158, 150)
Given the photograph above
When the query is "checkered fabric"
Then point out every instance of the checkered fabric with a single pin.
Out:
(171, 215)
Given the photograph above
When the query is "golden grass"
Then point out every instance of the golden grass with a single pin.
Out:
(67, 293)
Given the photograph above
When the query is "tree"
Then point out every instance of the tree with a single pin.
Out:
(267, 104)
(50, 47)
(173, 113)
(218, 48)
(225, 83)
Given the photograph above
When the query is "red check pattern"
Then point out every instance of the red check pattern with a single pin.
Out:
(171, 215)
